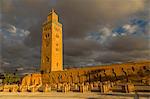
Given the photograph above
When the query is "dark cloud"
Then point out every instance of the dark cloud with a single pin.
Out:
(114, 57)
(84, 16)
(128, 43)
(14, 52)
(113, 50)
(81, 47)
(79, 19)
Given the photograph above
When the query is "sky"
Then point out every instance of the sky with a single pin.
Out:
(95, 31)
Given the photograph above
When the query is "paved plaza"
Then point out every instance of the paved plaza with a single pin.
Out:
(71, 95)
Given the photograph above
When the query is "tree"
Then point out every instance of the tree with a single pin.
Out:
(11, 78)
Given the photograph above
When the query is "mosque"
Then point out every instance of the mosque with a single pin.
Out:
(53, 75)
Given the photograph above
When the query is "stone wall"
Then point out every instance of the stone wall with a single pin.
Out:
(95, 73)
(91, 76)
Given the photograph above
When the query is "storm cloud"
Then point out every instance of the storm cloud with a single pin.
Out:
(95, 31)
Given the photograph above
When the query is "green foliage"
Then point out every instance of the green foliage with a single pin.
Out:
(10, 79)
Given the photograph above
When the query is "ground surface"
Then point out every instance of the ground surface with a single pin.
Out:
(71, 95)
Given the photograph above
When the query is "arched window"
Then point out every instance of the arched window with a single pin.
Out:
(48, 35)
(47, 59)
(57, 64)
(56, 49)
(57, 35)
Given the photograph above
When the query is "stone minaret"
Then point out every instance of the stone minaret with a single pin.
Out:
(52, 44)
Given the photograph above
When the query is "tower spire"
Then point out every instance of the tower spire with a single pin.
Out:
(51, 55)
(52, 10)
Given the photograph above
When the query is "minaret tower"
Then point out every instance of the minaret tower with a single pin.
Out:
(52, 45)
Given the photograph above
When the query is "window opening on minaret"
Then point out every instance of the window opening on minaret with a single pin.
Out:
(47, 58)
(57, 35)
(48, 35)
(56, 49)
(57, 63)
